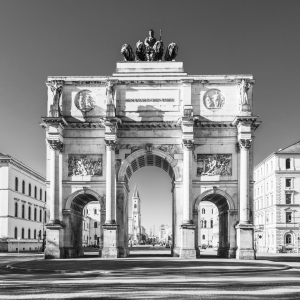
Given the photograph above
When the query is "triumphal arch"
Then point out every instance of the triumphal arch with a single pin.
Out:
(102, 129)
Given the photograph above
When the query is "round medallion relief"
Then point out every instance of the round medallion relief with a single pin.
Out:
(213, 99)
(84, 101)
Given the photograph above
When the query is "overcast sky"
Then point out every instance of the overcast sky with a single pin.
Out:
(42, 38)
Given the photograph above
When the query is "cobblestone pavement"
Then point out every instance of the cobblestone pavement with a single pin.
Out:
(150, 274)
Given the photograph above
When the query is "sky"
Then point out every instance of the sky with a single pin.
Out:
(51, 38)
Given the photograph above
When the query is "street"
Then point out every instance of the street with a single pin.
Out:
(150, 274)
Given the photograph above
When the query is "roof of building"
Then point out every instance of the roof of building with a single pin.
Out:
(22, 166)
(136, 193)
(294, 148)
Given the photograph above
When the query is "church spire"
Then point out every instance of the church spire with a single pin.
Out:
(136, 193)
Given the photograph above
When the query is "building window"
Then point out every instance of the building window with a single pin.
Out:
(29, 189)
(16, 232)
(211, 223)
(35, 213)
(16, 184)
(16, 209)
(203, 211)
(23, 211)
(288, 182)
(288, 198)
(23, 235)
(205, 223)
(288, 163)
(34, 234)
(203, 237)
(40, 234)
(95, 225)
(29, 213)
(41, 194)
(35, 192)
(29, 233)
(288, 239)
(134, 205)
(288, 217)
(95, 237)
(23, 187)
(95, 211)
(45, 196)
(41, 215)
(45, 217)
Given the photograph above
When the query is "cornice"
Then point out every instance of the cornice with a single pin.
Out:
(149, 125)
(210, 124)
(83, 125)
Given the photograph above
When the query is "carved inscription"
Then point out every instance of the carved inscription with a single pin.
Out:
(85, 165)
(214, 164)
(151, 100)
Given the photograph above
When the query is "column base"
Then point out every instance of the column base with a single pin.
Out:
(110, 241)
(245, 241)
(53, 249)
(187, 249)
(123, 252)
(228, 253)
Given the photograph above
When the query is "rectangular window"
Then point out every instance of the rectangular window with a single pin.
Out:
(288, 217)
(288, 198)
(288, 182)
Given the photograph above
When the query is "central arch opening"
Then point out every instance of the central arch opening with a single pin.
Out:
(150, 205)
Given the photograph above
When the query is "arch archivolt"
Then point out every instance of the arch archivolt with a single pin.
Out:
(85, 196)
(142, 158)
(215, 192)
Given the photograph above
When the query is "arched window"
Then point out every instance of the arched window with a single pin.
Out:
(23, 233)
(41, 215)
(95, 224)
(203, 237)
(201, 223)
(203, 211)
(16, 232)
(23, 211)
(35, 192)
(288, 163)
(288, 239)
(95, 211)
(40, 234)
(29, 189)
(16, 184)
(45, 217)
(211, 223)
(34, 234)
(95, 237)
(29, 213)
(16, 209)
(205, 224)
(35, 214)
(41, 193)
(29, 233)
(45, 196)
(23, 187)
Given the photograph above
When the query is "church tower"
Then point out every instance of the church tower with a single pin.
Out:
(136, 216)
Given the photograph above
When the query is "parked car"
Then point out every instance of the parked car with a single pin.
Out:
(203, 246)
(209, 246)
(167, 245)
(216, 248)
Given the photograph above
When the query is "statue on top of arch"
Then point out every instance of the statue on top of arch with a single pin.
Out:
(150, 50)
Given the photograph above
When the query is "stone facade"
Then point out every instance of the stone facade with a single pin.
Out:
(199, 129)
(23, 206)
(206, 223)
(277, 200)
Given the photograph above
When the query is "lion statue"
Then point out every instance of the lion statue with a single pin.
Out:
(171, 52)
(158, 50)
(127, 52)
(140, 52)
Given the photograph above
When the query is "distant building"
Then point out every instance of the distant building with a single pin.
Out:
(92, 234)
(277, 200)
(134, 222)
(208, 227)
(165, 233)
(23, 206)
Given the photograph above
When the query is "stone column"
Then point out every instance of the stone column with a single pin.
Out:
(187, 248)
(110, 228)
(54, 226)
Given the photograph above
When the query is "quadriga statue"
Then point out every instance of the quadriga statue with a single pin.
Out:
(150, 50)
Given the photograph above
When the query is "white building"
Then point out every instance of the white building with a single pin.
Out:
(165, 233)
(92, 234)
(135, 221)
(208, 212)
(277, 200)
(23, 206)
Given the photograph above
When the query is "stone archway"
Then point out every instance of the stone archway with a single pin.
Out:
(140, 159)
(228, 217)
(73, 217)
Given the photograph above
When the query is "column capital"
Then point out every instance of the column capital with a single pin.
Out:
(187, 144)
(245, 143)
(111, 144)
(56, 145)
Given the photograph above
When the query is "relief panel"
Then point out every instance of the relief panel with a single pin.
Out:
(85, 165)
(214, 164)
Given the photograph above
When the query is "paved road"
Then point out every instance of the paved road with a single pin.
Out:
(139, 281)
